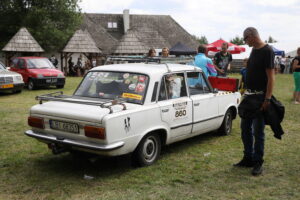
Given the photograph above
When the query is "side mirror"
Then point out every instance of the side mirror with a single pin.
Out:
(215, 90)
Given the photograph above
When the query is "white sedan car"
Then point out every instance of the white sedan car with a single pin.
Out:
(10, 81)
(132, 108)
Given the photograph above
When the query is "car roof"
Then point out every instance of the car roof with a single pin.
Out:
(147, 68)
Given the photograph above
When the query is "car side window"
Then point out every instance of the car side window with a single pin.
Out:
(197, 83)
(172, 87)
(21, 64)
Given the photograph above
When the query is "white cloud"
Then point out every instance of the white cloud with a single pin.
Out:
(276, 3)
(105, 6)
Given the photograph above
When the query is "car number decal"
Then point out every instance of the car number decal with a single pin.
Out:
(180, 113)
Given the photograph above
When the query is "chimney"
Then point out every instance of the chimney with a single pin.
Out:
(126, 20)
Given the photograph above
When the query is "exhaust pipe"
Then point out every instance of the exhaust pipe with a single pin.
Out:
(56, 149)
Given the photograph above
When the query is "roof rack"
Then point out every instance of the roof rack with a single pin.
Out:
(58, 96)
(143, 59)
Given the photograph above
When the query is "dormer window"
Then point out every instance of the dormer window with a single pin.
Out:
(112, 25)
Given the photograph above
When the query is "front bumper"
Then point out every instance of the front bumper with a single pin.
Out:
(16, 86)
(74, 143)
(48, 81)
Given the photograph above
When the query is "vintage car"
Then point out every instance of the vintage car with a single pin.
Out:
(10, 81)
(37, 72)
(132, 108)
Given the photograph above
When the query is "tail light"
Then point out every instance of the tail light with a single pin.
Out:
(94, 132)
(36, 122)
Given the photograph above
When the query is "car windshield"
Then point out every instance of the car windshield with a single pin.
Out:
(2, 68)
(39, 63)
(113, 85)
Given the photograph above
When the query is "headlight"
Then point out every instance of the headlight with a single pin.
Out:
(40, 76)
(19, 78)
(60, 75)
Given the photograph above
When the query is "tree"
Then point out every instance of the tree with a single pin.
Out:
(51, 22)
(201, 40)
(237, 40)
(270, 40)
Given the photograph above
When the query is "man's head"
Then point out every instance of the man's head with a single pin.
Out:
(224, 47)
(251, 36)
(202, 49)
(152, 52)
(165, 52)
(298, 51)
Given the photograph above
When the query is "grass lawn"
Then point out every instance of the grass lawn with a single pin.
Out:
(198, 168)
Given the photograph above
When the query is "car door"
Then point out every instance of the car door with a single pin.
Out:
(205, 103)
(20, 67)
(175, 105)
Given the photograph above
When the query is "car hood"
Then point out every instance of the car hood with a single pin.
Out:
(75, 111)
(8, 73)
(46, 72)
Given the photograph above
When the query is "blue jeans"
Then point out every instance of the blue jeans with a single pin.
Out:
(253, 137)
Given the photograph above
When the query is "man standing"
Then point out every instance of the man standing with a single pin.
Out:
(53, 60)
(222, 60)
(204, 62)
(260, 80)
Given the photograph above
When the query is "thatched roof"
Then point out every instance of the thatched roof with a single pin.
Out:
(81, 42)
(154, 31)
(23, 41)
(130, 44)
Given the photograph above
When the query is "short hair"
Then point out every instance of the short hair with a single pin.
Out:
(202, 48)
(298, 49)
(226, 44)
(165, 48)
(150, 51)
(251, 31)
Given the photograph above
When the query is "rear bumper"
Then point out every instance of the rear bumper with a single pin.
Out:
(74, 143)
(48, 81)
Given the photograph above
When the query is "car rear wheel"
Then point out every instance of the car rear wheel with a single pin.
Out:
(226, 126)
(148, 150)
(31, 85)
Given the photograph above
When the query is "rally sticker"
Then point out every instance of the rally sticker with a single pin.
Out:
(142, 79)
(125, 76)
(132, 96)
(179, 105)
(132, 86)
(140, 88)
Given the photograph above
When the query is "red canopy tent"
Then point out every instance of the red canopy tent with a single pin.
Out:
(232, 48)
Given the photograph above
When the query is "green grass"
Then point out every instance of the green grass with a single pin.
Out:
(197, 168)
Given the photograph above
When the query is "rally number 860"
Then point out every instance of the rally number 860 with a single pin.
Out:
(180, 113)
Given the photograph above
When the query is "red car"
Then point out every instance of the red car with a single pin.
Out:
(38, 71)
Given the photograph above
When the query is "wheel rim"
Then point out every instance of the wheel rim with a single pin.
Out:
(150, 149)
(228, 123)
(30, 85)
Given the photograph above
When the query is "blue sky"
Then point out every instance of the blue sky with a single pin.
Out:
(216, 18)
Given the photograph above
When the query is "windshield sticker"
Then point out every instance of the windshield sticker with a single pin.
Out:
(132, 96)
(132, 86)
(140, 88)
(125, 76)
(135, 77)
(142, 79)
(127, 81)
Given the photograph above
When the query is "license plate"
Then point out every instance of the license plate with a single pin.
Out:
(7, 86)
(54, 80)
(64, 126)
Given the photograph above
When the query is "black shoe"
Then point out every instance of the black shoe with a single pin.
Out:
(257, 169)
(245, 162)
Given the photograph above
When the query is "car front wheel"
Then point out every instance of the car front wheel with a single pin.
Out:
(31, 85)
(148, 150)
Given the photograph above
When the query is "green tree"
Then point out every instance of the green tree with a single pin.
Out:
(237, 40)
(271, 40)
(201, 40)
(51, 22)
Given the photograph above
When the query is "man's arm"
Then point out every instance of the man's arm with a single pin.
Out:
(270, 86)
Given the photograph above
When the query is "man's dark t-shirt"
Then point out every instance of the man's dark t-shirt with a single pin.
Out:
(222, 61)
(259, 60)
(296, 58)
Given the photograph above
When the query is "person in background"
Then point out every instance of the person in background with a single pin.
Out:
(204, 62)
(277, 64)
(54, 61)
(79, 65)
(94, 63)
(222, 60)
(287, 68)
(296, 73)
(282, 64)
(165, 52)
(243, 85)
(72, 70)
(260, 80)
(151, 53)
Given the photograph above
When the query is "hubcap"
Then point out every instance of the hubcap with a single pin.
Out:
(228, 123)
(150, 149)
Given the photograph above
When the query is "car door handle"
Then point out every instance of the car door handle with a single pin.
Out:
(196, 104)
(165, 110)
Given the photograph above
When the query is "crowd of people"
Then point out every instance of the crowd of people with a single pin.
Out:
(81, 67)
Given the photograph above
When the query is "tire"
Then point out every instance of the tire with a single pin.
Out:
(148, 150)
(31, 85)
(60, 86)
(226, 126)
